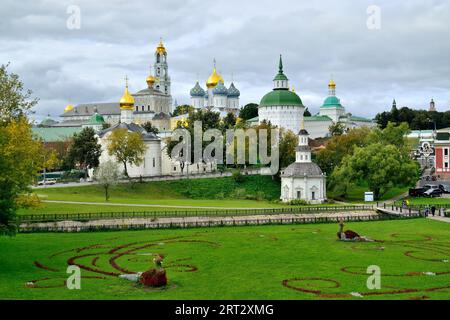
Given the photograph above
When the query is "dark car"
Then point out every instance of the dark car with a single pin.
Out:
(416, 192)
(430, 186)
(445, 188)
(432, 193)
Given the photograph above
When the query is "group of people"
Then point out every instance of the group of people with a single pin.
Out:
(429, 210)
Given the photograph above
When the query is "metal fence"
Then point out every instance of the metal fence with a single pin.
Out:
(185, 213)
(239, 221)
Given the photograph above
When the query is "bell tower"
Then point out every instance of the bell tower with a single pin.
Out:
(161, 72)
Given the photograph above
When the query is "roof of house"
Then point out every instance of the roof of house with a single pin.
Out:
(53, 134)
(300, 169)
(317, 118)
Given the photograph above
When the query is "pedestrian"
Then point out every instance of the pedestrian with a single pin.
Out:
(433, 210)
(427, 211)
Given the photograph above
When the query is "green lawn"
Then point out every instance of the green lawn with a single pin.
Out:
(234, 262)
(356, 193)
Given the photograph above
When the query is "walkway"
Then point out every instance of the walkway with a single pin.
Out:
(438, 218)
(186, 222)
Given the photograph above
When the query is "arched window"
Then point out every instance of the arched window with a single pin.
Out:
(158, 58)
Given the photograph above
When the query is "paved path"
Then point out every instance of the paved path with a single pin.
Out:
(206, 221)
(442, 219)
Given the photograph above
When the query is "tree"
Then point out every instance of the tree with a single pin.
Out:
(85, 150)
(150, 128)
(249, 111)
(382, 166)
(392, 134)
(182, 109)
(306, 113)
(20, 163)
(287, 145)
(340, 146)
(126, 147)
(229, 121)
(107, 175)
(14, 102)
(336, 129)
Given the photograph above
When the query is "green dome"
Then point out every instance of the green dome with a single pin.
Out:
(96, 119)
(281, 98)
(332, 102)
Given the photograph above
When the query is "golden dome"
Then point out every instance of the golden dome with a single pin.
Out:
(332, 84)
(68, 108)
(214, 79)
(150, 80)
(160, 48)
(127, 100)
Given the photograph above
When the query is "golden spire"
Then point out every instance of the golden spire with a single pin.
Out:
(160, 48)
(68, 108)
(127, 100)
(293, 89)
(214, 78)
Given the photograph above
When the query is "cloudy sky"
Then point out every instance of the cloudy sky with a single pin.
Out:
(407, 58)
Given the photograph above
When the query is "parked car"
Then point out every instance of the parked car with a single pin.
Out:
(445, 188)
(49, 181)
(416, 192)
(432, 193)
(430, 186)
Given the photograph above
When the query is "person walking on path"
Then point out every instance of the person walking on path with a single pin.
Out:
(433, 210)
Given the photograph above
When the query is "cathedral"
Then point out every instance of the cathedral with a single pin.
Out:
(217, 96)
(153, 103)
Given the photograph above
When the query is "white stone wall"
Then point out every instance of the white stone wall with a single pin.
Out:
(290, 187)
(151, 103)
(288, 117)
(318, 129)
(333, 113)
(220, 101)
(198, 102)
(233, 103)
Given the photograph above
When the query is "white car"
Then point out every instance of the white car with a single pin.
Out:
(49, 181)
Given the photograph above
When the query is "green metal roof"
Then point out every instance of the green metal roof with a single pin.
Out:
(280, 75)
(317, 118)
(281, 98)
(360, 119)
(332, 102)
(96, 119)
(55, 133)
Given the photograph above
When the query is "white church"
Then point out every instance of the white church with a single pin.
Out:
(303, 179)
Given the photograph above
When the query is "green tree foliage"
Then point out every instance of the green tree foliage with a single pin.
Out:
(416, 119)
(340, 146)
(126, 147)
(229, 121)
(287, 145)
(336, 129)
(249, 111)
(84, 151)
(183, 109)
(150, 128)
(306, 113)
(381, 165)
(15, 102)
(20, 161)
(391, 134)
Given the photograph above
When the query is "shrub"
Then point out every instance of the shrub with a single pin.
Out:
(237, 176)
(297, 202)
(238, 193)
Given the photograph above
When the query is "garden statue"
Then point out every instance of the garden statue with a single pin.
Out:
(155, 277)
(349, 235)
